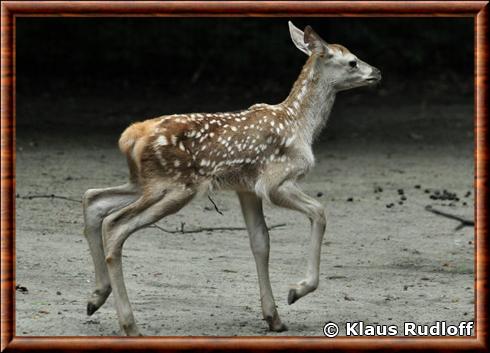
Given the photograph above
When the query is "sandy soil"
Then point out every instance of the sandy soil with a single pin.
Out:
(379, 265)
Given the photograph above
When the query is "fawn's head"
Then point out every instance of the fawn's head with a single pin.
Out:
(339, 67)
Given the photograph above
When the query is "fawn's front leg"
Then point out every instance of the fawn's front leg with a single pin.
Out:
(259, 242)
(288, 195)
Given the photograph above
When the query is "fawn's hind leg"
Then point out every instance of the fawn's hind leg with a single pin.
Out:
(119, 225)
(97, 204)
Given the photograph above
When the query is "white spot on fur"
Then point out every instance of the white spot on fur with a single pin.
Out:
(162, 141)
(289, 141)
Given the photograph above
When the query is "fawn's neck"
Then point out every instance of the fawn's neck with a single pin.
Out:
(310, 100)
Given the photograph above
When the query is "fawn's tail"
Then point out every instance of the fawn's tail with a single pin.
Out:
(131, 143)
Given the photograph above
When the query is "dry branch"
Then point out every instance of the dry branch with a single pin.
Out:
(51, 196)
(463, 222)
(207, 229)
(215, 206)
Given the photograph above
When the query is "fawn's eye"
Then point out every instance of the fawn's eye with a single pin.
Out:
(353, 63)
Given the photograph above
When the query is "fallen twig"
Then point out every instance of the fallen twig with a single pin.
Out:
(52, 196)
(464, 222)
(215, 206)
(208, 229)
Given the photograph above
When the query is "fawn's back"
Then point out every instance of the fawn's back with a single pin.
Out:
(226, 149)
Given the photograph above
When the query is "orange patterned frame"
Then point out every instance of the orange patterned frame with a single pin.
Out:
(12, 9)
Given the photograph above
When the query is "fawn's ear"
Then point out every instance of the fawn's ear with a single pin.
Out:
(315, 43)
(298, 38)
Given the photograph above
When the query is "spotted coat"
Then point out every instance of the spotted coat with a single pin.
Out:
(232, 149)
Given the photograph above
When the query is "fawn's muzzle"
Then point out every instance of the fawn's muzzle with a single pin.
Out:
(375, 76)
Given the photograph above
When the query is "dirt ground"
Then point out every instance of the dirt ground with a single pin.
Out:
(379, 265)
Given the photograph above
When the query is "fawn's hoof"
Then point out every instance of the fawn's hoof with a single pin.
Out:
(300, 290)
(292, 296)
(131, 330)
(97, 299)
(278, 327)
(275, 323)
(91, 309)
(132, 334)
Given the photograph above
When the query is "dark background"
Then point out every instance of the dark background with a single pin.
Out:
(108, 72)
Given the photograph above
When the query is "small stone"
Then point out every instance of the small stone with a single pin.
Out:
(21, 289)
(350, 299)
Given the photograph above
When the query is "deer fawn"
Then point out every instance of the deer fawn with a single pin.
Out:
(260, 153)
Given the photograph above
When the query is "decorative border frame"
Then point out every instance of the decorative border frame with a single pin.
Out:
(12, 9)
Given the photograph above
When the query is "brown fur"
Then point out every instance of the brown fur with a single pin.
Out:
(340, 48)
(196, 147)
